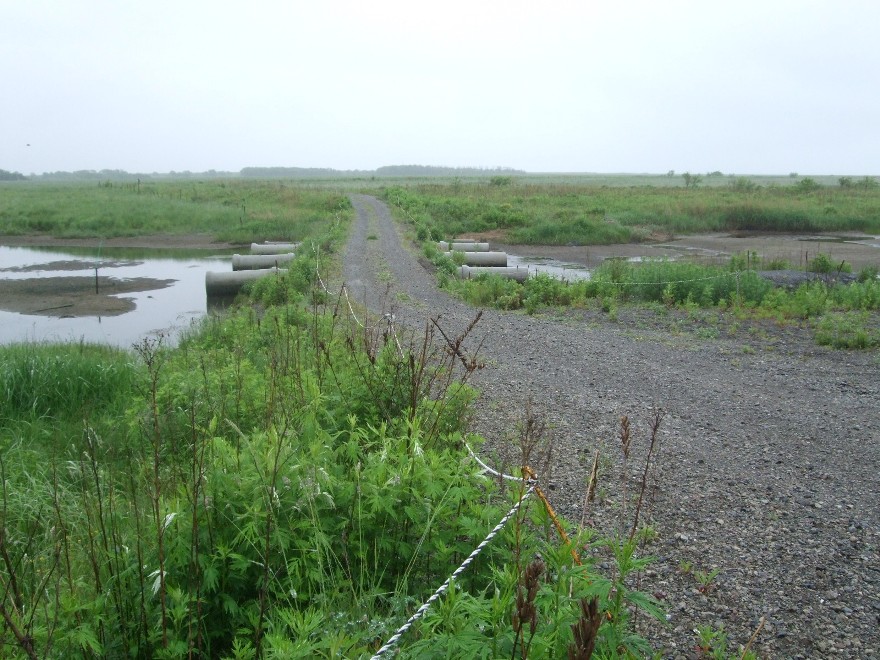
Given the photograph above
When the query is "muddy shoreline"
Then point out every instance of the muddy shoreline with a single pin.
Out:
(66, 296)
(183, 241)
(858, 250)
(73, 296)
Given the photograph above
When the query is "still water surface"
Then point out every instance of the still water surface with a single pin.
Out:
(165, 311)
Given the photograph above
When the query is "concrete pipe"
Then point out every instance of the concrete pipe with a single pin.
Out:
(258, 261)
(229, 284)
(498, 259)
(518, 274)
(273, 248)
(463, 246)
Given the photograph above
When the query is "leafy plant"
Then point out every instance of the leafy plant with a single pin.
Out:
(822, 263)
(846, 330)
(706, 579)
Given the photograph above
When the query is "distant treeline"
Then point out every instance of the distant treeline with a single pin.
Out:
(11, 176)
(298, 172)
(432, 170)
(387, 170)
(122, 175)
(262, 173)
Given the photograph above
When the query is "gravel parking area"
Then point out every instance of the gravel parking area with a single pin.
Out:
(768, 461)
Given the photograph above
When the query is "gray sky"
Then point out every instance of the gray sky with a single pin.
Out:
(749, 86)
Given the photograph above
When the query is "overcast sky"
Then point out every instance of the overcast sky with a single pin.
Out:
(744, 86)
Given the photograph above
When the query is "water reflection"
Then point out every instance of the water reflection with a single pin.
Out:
(551, 267)
(165, 311)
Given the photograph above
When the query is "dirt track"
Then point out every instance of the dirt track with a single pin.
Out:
(769, 455)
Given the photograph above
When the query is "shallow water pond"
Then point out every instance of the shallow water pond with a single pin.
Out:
(111, 296)
(556, 269)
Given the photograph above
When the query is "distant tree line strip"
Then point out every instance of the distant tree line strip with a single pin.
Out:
(262, 173)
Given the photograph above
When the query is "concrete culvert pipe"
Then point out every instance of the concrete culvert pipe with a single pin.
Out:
(273, 248)
(481, 258)
(463, 246)
(518, 274)
(229, 284)
(259, 261)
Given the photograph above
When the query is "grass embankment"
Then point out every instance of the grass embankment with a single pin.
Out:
(556, 214)
(235, 211)
(286, 483)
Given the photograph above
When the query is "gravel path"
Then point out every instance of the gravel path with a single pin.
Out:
(768, 462)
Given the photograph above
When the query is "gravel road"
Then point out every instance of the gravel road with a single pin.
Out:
(768, 461)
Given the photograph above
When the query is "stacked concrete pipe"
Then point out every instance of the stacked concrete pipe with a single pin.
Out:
(273, 248)
(463, 246)
(260, 261)
(518, 274)
(497, 259)
(230, 284)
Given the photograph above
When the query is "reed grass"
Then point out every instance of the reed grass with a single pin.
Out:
(64, 381)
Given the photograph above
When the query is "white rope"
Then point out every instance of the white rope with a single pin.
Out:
(389, 316)
(344, 292)
(486, 468)
(735, 274)
(350, 307)
(392, 642)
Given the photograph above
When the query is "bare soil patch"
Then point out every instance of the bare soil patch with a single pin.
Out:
(73, 296)
(856, 249)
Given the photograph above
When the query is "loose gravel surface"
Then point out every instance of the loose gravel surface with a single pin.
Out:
(768, 459)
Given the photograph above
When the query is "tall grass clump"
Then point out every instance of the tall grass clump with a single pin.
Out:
(581, 231)
(673, 282)
(63, 380)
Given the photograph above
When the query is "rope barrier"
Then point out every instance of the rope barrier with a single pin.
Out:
(392, 641)
(390, 318)
(529, 475)
(486, 468)
(344, 290)
(735, 274)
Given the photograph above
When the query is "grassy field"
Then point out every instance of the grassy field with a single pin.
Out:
(577, 213)
(554, 213)
(235, 211)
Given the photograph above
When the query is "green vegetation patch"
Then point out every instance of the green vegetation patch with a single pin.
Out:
(284, 483)
(585, 214)
(850, 307)
(236, 211)
(64, 381)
